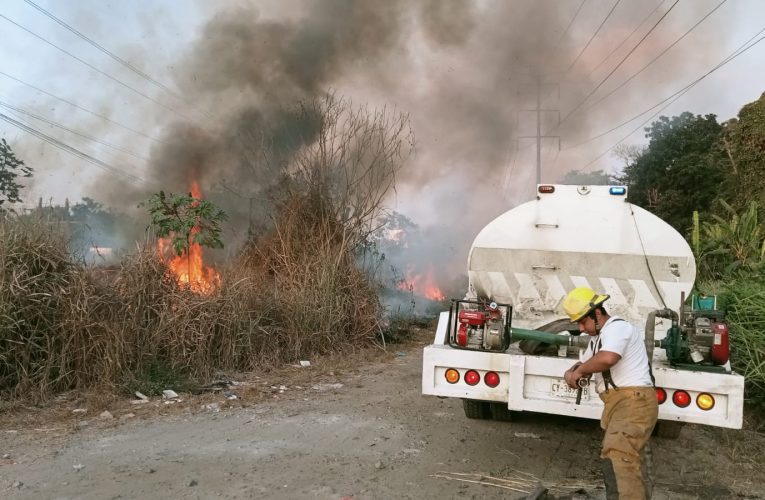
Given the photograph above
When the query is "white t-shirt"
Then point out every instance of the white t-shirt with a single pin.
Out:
(624, 339)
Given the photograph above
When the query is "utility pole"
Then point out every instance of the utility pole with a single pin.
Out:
(539, 111)
(539, 131)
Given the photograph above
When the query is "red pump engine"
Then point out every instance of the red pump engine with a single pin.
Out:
(707, 337)
(480, 328)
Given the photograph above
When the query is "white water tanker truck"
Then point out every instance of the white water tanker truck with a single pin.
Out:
(504, 347)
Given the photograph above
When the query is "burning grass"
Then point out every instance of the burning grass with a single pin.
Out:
(64, 326)
(294, 292)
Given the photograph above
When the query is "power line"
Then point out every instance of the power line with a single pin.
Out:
(73, 104)
(94, 68)
(742, 49)
(627, 38)
(581, 103)
(72, 131)
(571, 23)
(593, 36)
(109, 53)
(625, 82)
(69, 149)
(103, 49)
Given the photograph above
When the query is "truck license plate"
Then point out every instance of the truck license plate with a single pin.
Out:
(559, 388)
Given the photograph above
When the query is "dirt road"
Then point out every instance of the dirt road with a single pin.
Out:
(372, 437)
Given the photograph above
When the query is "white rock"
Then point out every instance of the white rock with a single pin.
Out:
(138, 401)
(326, 387)
(169, 394)
(78, 467)
(305, 363)
(140, 395)
(530, 435)
(79, 410)
(106, 415)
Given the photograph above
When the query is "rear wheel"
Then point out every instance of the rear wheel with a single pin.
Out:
(668, 430)
(476, 409)
(500, 412)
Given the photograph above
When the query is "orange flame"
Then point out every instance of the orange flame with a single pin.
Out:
(188, 268)
(423, 284)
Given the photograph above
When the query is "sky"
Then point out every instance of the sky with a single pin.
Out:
(465, 73)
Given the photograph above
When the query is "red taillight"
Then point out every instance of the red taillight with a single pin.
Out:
(491, 379)
(661, 395)
(472, 377)
(681, 399)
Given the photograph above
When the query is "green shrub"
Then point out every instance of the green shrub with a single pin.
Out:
(743, 298)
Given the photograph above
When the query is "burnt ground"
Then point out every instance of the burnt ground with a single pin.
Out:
(329, 432)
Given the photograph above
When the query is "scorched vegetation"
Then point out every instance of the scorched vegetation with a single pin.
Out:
(294, 290)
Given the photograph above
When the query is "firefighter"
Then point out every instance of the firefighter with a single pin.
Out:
(617, 358)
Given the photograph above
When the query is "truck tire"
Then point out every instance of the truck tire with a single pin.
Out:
(668, 430)
(476, 409)
(535, 347)
(500, 412)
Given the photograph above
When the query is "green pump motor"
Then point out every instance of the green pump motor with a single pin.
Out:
(698, 338)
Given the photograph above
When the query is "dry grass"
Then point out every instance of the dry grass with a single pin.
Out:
(296, 291)
(310, 285)
(64, 326)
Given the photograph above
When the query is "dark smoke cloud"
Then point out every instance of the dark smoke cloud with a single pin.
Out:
(464, 71)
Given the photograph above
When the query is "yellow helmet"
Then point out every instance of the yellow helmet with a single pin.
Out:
(582, 301)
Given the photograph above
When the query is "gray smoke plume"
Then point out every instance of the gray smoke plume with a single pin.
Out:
(467, 73)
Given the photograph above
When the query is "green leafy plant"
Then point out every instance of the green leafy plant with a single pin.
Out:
(723, 245)
(186, 220)
(158, 376)
(743, 298)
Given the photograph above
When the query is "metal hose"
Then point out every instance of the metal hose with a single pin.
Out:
(650, 328)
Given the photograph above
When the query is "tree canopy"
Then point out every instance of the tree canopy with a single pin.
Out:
(596, 178)
(744, 144)
(10, 169)
(682, 169)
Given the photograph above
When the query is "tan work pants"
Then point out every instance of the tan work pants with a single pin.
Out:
(629, 416)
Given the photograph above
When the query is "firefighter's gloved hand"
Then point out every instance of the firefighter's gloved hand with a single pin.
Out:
(571, 378)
